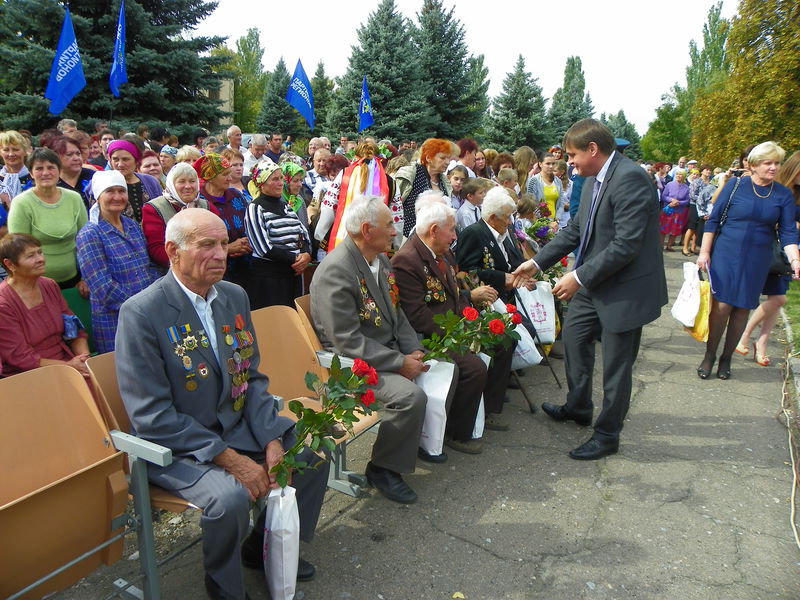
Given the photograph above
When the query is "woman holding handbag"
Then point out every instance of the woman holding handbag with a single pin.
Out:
(737, 250)
(776, 286)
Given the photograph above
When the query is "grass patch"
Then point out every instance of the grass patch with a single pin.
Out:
(792, 309)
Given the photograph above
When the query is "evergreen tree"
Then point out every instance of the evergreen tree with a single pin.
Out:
(167, 69)
(478, 85)
(759, 100)
(622, 128)
(668, 134)
(518, 114)
(570, 103)
(322, 88)
(388, 57)
(276, 113)
(451, 89)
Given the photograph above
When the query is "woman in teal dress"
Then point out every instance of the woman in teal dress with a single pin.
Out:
(738, 264)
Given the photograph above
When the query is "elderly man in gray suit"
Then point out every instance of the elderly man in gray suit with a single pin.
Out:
(617, 284)
(187, 364)
(356, 313)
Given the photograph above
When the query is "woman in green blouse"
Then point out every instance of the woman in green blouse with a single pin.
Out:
(53, 216)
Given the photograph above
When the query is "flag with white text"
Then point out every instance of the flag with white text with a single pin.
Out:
(119, 71)
(300, 96)
(66, 74)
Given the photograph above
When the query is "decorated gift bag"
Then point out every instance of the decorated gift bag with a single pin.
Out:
(480, 418)
(281, 543)
(688, 301)
(539, 306)
(435, 382)
(525, 354)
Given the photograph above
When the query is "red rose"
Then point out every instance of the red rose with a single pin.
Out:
(565, 261)
(368, 398)
(516, 318)
(497, 327)
(511, 309)
(470, 314)
(360, 367)
(372, 377)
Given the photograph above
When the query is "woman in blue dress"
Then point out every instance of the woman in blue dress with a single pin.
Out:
(776, 286)
(738, 264)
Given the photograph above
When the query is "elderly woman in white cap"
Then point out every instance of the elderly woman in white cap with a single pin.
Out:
(112, 254)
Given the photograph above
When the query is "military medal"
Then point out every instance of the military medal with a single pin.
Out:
(187, 362)
(237, 357)
(202, 370)
(226, 329)
(191, 385)
(204, 339)
(190, 342)
(172, 333)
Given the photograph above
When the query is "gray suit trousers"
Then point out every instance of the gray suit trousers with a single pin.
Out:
(402, 410)
(225, 519)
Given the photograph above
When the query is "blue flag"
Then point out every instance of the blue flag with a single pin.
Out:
(365, 118)
(66, 75)
(119, 72)
(300, 96)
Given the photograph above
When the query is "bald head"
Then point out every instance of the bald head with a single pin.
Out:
(197, 247)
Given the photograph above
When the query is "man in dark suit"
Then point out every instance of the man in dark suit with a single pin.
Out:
(355, 307)
(426, 276)
(616, 286)
(187, 365)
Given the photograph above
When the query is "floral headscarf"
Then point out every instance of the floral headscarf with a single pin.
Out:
(290, 170)
(259, 174)
(210, 165)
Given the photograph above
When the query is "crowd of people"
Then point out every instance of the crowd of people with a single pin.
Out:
(173, 246)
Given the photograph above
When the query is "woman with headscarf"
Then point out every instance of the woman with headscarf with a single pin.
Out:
(215, 174)
(112, 254)
(293, 176)
(168, 156)
(125, 157)
(280, 241)
(181, 191)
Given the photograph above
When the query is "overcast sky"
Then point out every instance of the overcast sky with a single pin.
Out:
(633, 51)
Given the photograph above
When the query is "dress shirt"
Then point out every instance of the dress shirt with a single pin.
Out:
(375, 268)
(500, 238)
(202, 306)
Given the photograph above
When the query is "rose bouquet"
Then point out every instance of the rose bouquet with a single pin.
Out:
(344, 396)
(473, 331)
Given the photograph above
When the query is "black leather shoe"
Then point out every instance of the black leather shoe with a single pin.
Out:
(431, 458)
(390, 484)
(559, 413)
(305, 570)
(217, 593)
(594, 449)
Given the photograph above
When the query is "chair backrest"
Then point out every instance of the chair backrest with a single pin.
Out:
(104, 377)
(62, 480)
(303, 304)
(286, 353)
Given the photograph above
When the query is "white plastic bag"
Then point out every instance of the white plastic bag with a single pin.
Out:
(435, 382)
(525, 354)
(539, 306)
(688, 301)
(480, 418)
(281, 543)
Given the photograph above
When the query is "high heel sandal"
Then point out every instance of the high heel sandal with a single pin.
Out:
(705, 373)
(761, 359)
(724, 373)
(744, 350)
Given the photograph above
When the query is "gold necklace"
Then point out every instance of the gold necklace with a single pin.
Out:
(755, 191)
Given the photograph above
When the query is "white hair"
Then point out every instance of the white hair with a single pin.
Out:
(232, 129)
(432, 212)
(180, 228)
(497, 202)
(183, 169)
(429, 196)
(314, 140)
(765, 151)
(259, 139)
(363, 209)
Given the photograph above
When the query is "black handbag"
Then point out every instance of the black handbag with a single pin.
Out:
(779, 264)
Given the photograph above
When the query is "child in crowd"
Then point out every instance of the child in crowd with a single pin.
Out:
(457, 176)
(560, 171)
(473, 191)
(508, 179)
(526, 215)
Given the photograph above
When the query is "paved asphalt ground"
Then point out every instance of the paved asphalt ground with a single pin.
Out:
(694, 506)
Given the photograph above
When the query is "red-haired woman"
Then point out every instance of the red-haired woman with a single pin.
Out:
(427, 174)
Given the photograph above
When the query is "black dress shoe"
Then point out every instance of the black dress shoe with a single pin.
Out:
(594, 449)
(305, 570)
(431, 458)
(559, 413)
(390, 484)
(217, 593)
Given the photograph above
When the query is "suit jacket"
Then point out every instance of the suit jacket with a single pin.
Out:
(355, 316)
(623, 268)
(478, 250)
(196, 423)
(424, 290)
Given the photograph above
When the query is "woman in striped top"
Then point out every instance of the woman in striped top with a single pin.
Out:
(281, 244)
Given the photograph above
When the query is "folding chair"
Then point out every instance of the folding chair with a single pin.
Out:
(287, 355)
(64, 492)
